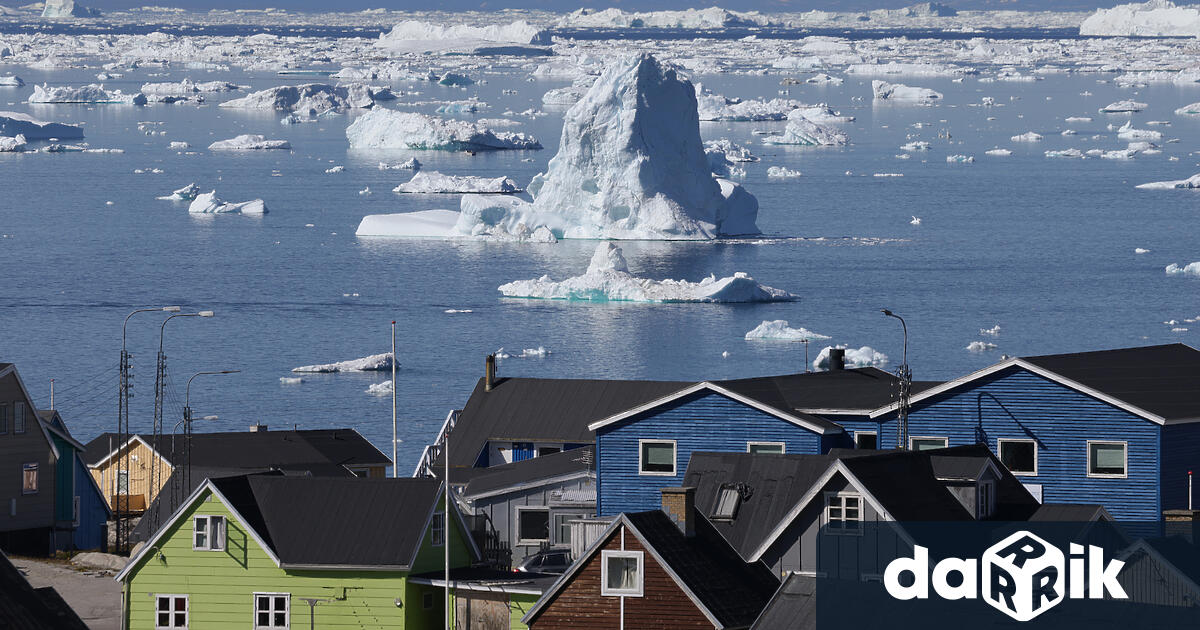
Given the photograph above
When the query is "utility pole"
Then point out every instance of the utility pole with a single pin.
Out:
(446, 522)
(395, 466)
(905, 384)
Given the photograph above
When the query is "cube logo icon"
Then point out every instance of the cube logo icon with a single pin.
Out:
(1023, 576)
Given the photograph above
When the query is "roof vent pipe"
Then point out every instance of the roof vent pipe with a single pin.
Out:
(837, 359)
(489, 372)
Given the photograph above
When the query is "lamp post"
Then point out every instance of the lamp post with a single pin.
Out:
(905, 387)
(121, 501)
(187, 423)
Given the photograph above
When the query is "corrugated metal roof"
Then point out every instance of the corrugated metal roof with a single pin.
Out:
(262, 449)
(544, 467)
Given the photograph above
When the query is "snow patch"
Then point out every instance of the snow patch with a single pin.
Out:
(779, 330)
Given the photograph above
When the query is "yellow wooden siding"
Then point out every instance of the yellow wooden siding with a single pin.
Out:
(140, 472)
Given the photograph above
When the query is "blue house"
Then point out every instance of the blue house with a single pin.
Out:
(1120, 428)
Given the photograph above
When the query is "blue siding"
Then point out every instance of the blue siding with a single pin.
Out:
(705, 421)
(1022, 405)
(93, 511)
(522, 451)
(859, 423)
(1180, 453)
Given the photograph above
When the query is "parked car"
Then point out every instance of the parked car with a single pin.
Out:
(553, 561)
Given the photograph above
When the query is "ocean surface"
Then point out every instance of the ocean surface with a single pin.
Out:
(1042, 247)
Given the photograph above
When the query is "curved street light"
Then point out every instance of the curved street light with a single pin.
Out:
(186, 421)
(905, 387)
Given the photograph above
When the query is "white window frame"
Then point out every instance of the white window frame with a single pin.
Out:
(858, 433)
(287, 611)
(782, 446)
(561, 519)
(1088, 459)
(533, 508)
(437, 529)
(37, 478)
(999, 444)
(214, 542)
(912, 440)
(737, 501)
(674, 459)
(841, 498)
(640, 556)
(187, 611)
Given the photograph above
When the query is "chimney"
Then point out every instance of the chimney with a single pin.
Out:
(680, 505)
(489, 372)
(258, 428)
(1185, 523)
(837, 359)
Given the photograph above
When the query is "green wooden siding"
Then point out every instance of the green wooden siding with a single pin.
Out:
(220, 585)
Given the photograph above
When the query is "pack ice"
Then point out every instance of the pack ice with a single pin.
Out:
(312, 99)
(608, 279)
(390, 129)
(17, 123)
(1156, 18)
(373, 363)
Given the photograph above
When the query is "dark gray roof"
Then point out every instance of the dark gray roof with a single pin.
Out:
(1162, 380)
(23, 607)
(252, 450)
(792, 607)
(1068, 512)
(490, 580)
(335, 522)
(732, 590)
(854, 389)
(516, 474)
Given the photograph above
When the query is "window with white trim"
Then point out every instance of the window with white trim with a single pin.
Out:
(271, 611)
(925, 443)
(29, 478)
(208, 533)
(866, 440)
(1107, 459)
(765, 447)
(437, 529)
(533, 525)
(656, 457)
(621, 573)
(170, 611)
(843, 513)
(728, 500)
(1019, 456)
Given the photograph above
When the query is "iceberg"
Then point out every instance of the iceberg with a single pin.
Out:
(1064, 153)
(390, 129)
(1127, 132)
(865, 356)
(916, 145)
(452, 79)
(1028, 136)
(373, 363)
(21, 124)
(1188, 110)
(960, 159)
(67, 8)
(11, 81)
(310, 99)
(12, 144)
(1191, 182)
(208, 203)
(187, 193)
(435, 182)
(1000, 152)
(87, 94)
(568, 95)
(185, 90)
(379, 389)
(980, 346)
(779, 330)
(248, 142)
(462, 107)
(411, 164)
(712, 17)
(782, 172)
(1191, 269)
(517, 38)
(1157, 18)
(800, 130)
(885, 91)
(714, 107)
(608, 279)
(1121, 107)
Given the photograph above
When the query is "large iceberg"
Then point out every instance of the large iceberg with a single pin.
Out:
(608, 279)
(1191, 182)
(435, 182)
(87, 94)
(21, 124)
(373, 363)
(67, 8)
(390, 129)
(208, 203)
(248, 142)
(779, 330)
(517, 38)
(885, 91)
(1157, 18)
(311, 99)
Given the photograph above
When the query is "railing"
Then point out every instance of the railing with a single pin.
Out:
(429, 457)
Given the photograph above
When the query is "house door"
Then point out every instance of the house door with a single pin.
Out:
(481, 611)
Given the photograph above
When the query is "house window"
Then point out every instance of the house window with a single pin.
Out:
(29, 478)
(427, 601)
(533, 525)
(985, 500)
(866, 440)
(728, 500)
(548, 450)
(437, 529)
(3, 419)
(171, 611)
(926, 443)
(208, 533)
(75, 511)
(562, 527)
(621, 573)
(122, 482)
(18, 417)
(657, 457)
(764, 447)
(1019, 456)
(843, 513)
(1107, 459)
(271, 611)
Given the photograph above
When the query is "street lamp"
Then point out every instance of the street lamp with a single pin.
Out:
(905, 387)
(186, 482)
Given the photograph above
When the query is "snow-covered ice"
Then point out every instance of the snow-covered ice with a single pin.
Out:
(1156, 18)
(187, 193)
(209, 203)
(865, 356)
(1028, 136)
(390, 129)
(884, 91)
(1190, 269)
(994, 331)
(86, 94)
(435, 182)
(780, 330)
(782, 172)
(998, 152)
(11, 81)
(373, 363)
(517, 38)
(248, 142)
(12, 144)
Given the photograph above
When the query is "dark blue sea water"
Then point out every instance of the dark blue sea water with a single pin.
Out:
(1042, 247)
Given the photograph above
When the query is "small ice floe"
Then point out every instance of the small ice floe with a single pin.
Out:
(1191, 182)
(998, 152)
(179, 146)
(1064, 153)
(208, 203)
(290, 380)
(915, 220)
(1121, 107)
(11, 81)
(187, 193)
(887, 174)
(608, 279)
(1179, 329)
(994, 331)
(248, 142)
(1189, 110)
(782, 172)
(379, 389)
(980, 346)
(411, 164)
(1028, 136)
(1140, 250)
(365, 191)
(1127, 132)
(433, 182)
(373, 363)
(725, 354)
(960, 159)
(458, 310)
(803, 131)
(865, 356)
(778, 330)
(917, 145)
(1075, 119)
(1191, 269)
(884, 91)
(335, 169)
(528, 353)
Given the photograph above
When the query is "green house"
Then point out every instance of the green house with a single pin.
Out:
(266, 551)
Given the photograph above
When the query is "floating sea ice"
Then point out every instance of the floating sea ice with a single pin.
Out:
(411, 164)
(208, 203)
(379, 389)
(458, 310)
(1072, 119)
(290, 380)
(518, 38)
(824, 79)
(608, 279)
(980, 346)
(865, 356)
(802, 131)
(993, 331)
(915, 220)
(1191, 269)
(335, 169)
(435, 182)
(18, 123)
(884, 91)
(1189, 110)
(373, 363)
(1140, 250)
(365, 191)
(454, 79)
(960, 159)
(179, 146)
(12, 144)
(779, 330)
(1028, 136)
(187, 193)
(462, 107)
(390, 129)
(1123, 107)
(86, 94)
(917, 145)
(714, 107)
(998, 152)
(732, 152)
(11, 81)
(248, 142)
(311, 99)
(1064, 153)
(1127, 132)
(1119, 154)
(1191, 182)
(782, 171)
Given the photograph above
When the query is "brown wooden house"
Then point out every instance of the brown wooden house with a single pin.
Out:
(659, 569)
